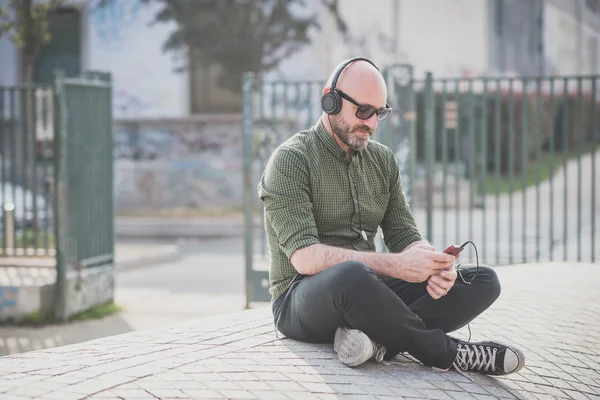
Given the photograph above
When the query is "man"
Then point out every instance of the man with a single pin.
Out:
(326, 191)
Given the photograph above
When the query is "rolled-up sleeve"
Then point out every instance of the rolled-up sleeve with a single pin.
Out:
(285, 192)
(398, 226)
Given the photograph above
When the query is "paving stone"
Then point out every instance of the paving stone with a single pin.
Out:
(238, 356)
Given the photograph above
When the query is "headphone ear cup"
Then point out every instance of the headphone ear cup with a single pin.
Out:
(331, 102)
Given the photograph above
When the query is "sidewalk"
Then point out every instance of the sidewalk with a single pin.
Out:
(35, 271)
(551, 311)
(27, 283)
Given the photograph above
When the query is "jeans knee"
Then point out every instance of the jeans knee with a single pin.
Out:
(488, 279)
(351, 275)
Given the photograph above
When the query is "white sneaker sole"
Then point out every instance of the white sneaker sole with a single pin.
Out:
(353, 347)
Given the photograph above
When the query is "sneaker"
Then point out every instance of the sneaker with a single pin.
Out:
(355, 348)
(488, 358)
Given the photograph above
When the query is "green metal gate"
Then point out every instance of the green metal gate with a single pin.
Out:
(509, 163)
(84, 192)
(26, 171)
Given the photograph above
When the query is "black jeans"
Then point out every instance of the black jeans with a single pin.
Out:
(400, 315)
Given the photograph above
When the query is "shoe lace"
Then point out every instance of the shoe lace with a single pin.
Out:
(475, 357)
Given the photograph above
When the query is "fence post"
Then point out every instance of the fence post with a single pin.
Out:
(429, 150)
(249, 193)
(60, 197)
(9, 221)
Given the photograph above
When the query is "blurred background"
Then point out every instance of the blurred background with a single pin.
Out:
(133, 134)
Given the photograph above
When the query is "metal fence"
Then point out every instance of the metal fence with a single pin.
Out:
(56, 183)
(26, 171)
(84, 189)
(508, 163)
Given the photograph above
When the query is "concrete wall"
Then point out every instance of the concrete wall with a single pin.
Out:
(561, 37)
(449, 38)
(180, 163)
(32, 289)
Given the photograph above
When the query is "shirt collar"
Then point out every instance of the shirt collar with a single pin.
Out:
(329, 141)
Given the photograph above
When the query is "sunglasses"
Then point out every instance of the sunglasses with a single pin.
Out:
(366, 111)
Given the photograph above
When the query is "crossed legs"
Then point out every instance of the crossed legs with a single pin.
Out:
(397, 314)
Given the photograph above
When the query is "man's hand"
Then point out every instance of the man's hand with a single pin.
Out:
(416, 264)
(439, 285)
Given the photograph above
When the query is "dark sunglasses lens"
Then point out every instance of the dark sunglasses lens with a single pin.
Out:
(365, 112)
(383, 114)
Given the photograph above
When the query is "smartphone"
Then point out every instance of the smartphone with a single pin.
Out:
(455, 251)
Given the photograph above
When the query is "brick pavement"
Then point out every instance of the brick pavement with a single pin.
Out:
(550, 310)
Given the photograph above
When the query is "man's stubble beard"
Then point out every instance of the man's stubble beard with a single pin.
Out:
(348, 135)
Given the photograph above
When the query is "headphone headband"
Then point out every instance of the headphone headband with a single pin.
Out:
(343, 66)
(331, 101)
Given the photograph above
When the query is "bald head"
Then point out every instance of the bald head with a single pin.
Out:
(361, 77)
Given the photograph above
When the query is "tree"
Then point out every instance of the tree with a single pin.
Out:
(238, 35)
(28, 29)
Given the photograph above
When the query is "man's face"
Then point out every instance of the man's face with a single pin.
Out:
(368, 89)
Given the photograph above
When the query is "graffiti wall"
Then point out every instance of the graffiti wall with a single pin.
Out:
(183, 163)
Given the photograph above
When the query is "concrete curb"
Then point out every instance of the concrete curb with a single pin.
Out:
(167, 228)
(167, 254)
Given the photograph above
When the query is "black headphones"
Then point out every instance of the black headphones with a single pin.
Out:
(331, 101)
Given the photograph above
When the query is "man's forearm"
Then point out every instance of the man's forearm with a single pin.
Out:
(318, 257)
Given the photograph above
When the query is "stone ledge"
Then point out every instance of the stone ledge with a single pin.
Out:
(238, 356)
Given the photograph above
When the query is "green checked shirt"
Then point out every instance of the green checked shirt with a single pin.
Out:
(312, 194)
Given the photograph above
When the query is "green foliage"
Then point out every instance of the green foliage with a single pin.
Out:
(27, 24)
(237, 35)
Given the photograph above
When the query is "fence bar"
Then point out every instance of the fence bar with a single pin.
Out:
(538, 150)
(472, 159)
(33, 181)
(497, 110)
(484, 150)
(412, 156)
(13, 155)
(579, 150)
(444, 129)
(565, 160)
(551, 106)
(511, 164)
(524, 155)
(261, 88)
(47, 184)
(248, 182)
(309, 104)
(429, 148)
(594, 142)
(23, 138)
(457, 129)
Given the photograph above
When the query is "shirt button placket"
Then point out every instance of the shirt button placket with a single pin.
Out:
(354, 191)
